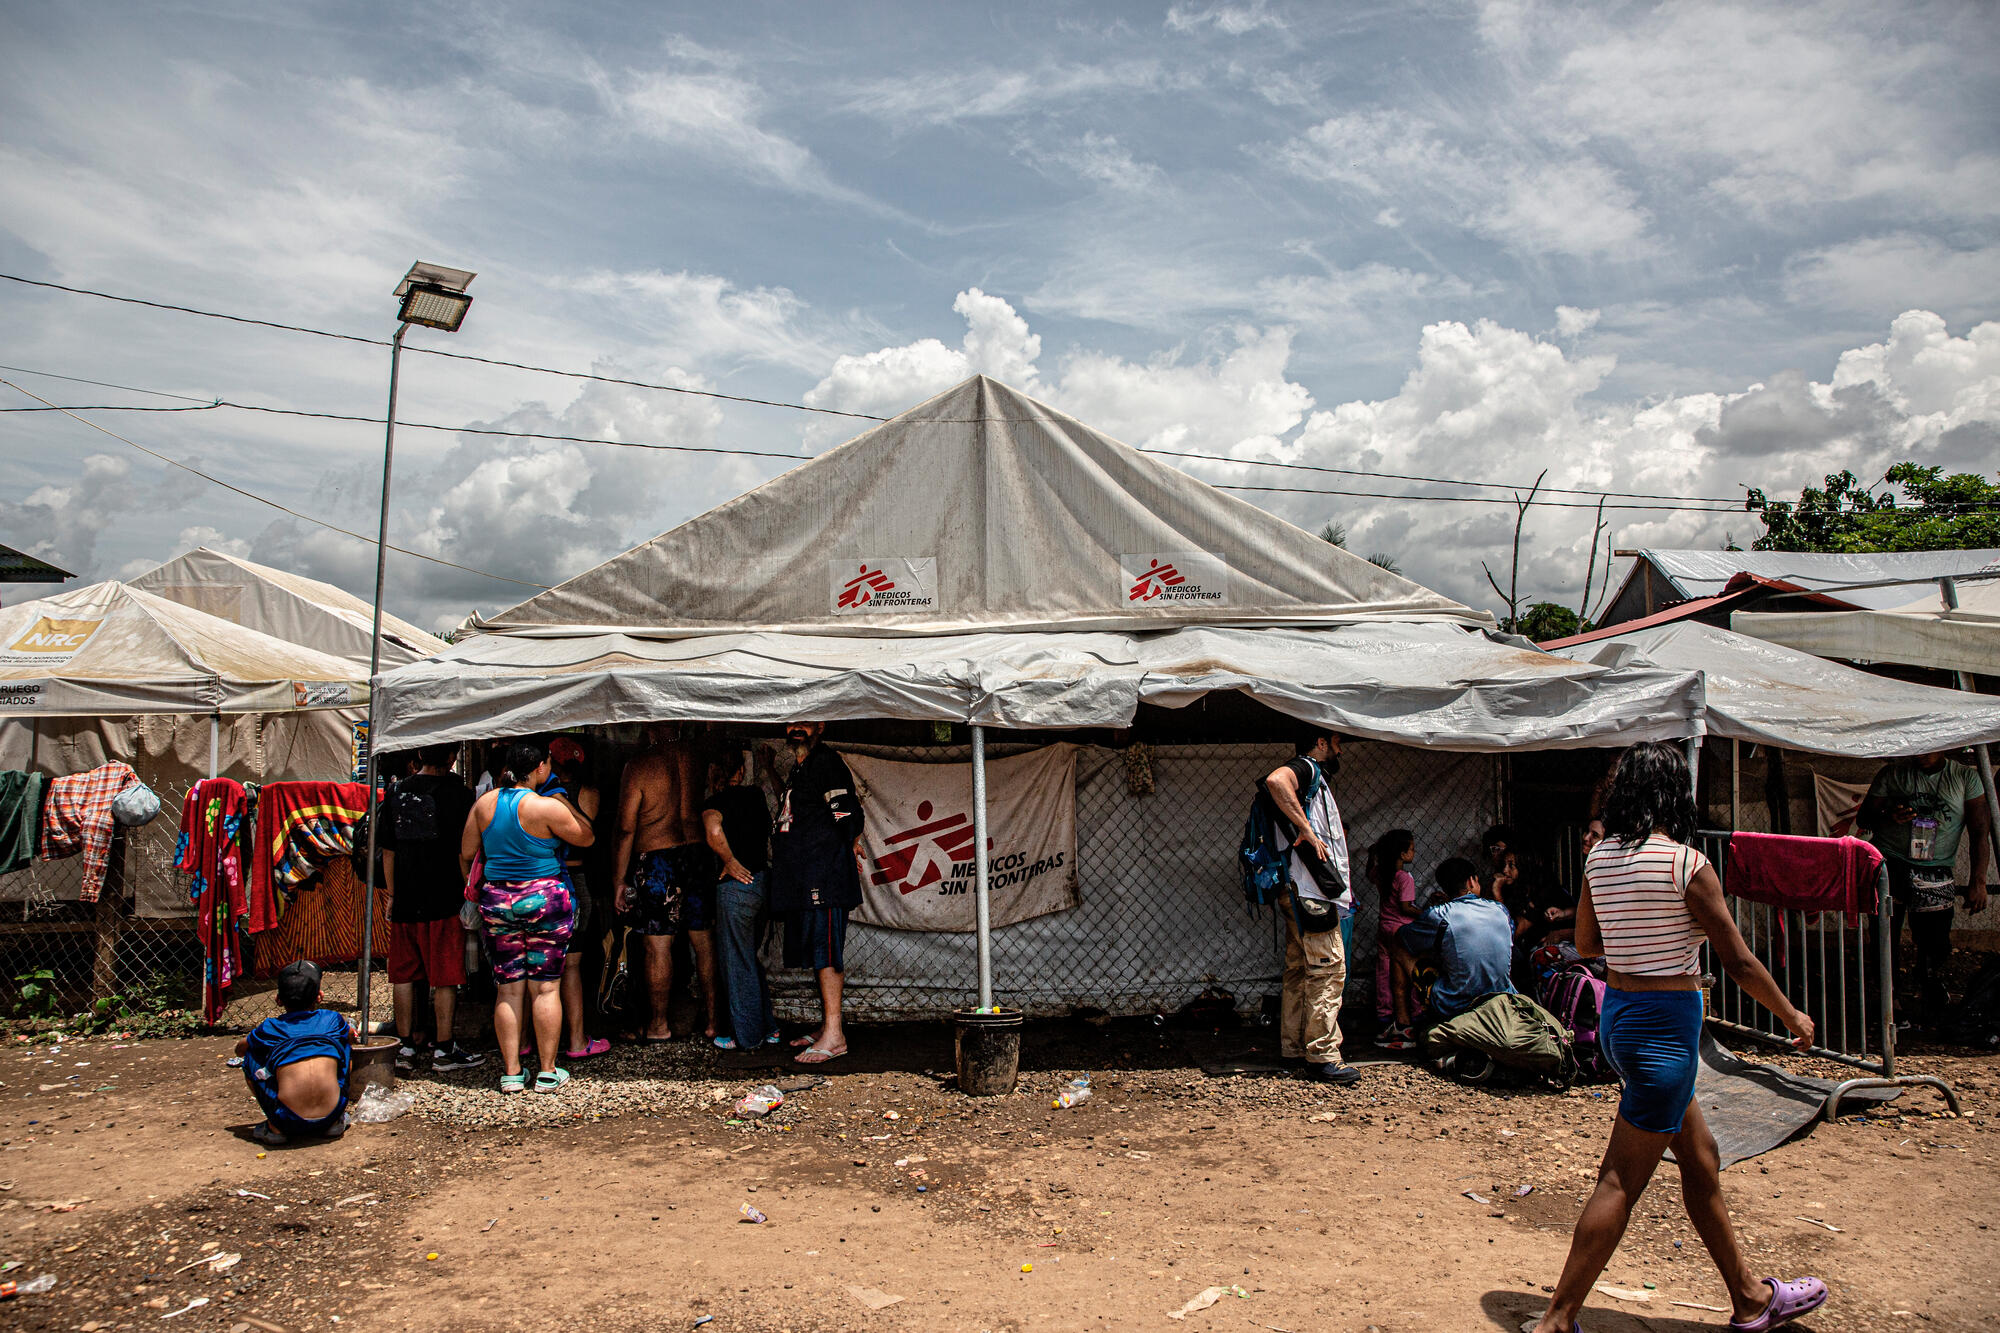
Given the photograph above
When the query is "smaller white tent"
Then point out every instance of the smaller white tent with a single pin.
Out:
(110, 649)
(1924, 632)
(288, 606)
(1772, 695)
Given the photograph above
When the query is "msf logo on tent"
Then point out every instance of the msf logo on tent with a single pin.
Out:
(863, 587)
(1154, 582)
(926, 854)
(56, 636)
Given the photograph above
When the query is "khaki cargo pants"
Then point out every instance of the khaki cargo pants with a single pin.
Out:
(1315, 980)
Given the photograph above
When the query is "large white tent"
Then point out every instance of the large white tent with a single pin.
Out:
(1925, 632)
(1768, 694)
(985, 559)
(285, 605)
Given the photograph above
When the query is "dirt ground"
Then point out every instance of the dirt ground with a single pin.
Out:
(124, 1166)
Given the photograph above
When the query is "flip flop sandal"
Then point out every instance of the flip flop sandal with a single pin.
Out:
(661, 1041)
(510, 1083)
(725, 1043)
(1789, 1300)
(813, 1055)
(551, 1081)
(595, 1046)
(267, 1136)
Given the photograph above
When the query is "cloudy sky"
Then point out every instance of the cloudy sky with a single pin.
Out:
(1673, 249)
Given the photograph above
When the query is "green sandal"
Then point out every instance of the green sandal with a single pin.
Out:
(551, 1081)
(514, 1082)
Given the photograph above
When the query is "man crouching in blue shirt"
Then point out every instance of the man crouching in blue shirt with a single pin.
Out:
(297, 1063)
(1467, 938)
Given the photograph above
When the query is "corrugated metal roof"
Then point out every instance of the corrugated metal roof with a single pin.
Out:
(20, 567)
(1707, 573)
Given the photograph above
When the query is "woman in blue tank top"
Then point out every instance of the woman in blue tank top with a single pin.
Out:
(526, 905)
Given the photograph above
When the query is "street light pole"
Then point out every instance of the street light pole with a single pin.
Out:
(374, 666)
(434, 297)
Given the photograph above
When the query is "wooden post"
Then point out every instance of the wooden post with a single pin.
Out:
(110, 920)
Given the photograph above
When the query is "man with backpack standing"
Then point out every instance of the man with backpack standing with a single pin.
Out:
(422, 823)
(1318, 896)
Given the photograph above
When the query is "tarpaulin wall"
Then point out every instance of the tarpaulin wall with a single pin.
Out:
(1161, 914)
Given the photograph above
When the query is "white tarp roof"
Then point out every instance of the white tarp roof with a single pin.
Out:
(1435, 685)
(1773, 695)
(112, 650)
(1918, 633)
(1707, 573)
(989, 511)
(289, 606)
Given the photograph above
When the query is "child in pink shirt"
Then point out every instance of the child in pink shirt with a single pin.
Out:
(1389, 870)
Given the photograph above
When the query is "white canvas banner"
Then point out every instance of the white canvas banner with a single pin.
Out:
(1174, 576)
(877, 584)
(917, 852)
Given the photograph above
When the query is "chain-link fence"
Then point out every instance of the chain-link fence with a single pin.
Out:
(138, 940)
(1161, 915)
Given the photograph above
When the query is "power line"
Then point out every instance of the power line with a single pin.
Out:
(252, 495)
(1474, 499)
(435, 351)
(102, 384)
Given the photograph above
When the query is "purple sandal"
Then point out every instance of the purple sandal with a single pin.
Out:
(1789, 1300)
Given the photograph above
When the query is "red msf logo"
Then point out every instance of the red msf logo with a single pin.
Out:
(1156, 580)
(925, 854)
(861, 589)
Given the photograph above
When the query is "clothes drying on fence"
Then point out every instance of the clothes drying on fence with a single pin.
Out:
(1805, 874)
(76, 817)
(301, 826)
(216, 822)
(20, 818)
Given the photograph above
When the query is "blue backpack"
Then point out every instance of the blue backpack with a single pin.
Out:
(1263, 855)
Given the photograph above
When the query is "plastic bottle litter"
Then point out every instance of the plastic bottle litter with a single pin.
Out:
(762, 1101)
(750, 1214)
(34, 1286)
(380, 1105)
(1074, 1093)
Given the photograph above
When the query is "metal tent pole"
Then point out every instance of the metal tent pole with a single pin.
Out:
(1692, 745)
(1735, 785)
(214, 741)
(374, 666)
(981, 905)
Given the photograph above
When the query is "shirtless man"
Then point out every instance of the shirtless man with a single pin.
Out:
(665, 870)
(296, 1064)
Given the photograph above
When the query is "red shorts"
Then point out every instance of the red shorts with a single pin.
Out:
(432, 951)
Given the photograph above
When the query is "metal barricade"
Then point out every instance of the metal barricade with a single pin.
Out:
(1842, 976)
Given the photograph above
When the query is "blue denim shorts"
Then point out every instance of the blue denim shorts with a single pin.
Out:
(1651, 1038)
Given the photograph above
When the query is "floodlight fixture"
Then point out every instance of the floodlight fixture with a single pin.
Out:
(434, 296)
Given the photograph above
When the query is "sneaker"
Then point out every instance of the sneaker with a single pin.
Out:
(407, 1051)
(454, 1056)
(1472, 1067)
(1340, 1076)
(1396, 1039)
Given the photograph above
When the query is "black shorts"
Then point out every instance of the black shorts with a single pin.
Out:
(817, 938)
(674, 890)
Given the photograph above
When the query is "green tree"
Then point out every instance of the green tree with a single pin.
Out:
(1335, 534)
(1548, 620)
(1936, 513)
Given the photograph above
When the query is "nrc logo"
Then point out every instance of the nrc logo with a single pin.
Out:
(56, 636)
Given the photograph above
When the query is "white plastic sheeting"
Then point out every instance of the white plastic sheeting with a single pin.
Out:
(109, 649)
(1917, 633)
(986, 510)
(287, 606)
(1773, 695)
(1434, 685)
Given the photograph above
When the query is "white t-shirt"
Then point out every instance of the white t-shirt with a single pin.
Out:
(1639, 894)
(1323, 817)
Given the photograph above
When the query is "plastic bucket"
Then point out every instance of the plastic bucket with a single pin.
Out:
(988, 1047)
(373, 1062)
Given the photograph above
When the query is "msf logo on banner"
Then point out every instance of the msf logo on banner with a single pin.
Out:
(1154, 582)
(862, 588)
(930, 852)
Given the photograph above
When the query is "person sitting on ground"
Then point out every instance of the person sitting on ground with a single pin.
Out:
(297, 1063)
(525, 902)
(1466, 937)
(1396, 889)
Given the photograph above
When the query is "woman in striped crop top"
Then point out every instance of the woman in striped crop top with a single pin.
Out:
(1649, 902)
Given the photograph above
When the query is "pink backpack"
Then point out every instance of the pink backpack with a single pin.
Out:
(1575, 995)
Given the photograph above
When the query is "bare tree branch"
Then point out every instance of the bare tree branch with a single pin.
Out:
(1590, 568)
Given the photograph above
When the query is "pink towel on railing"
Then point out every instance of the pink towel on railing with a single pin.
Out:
(1806, 874)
